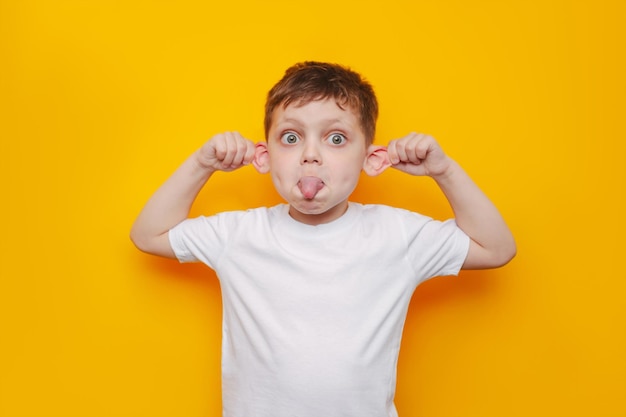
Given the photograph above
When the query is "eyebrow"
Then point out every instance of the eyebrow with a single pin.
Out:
(301, 123)
(290, 120)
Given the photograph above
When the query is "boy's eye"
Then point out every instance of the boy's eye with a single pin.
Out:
(289, 138)
(337, 139)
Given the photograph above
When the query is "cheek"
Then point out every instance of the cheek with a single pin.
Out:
(281, 166)
(283, 176)
(347, 174)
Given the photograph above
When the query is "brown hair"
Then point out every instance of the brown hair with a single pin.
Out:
(310, 81)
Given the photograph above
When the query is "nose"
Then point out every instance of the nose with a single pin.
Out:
(311, 154)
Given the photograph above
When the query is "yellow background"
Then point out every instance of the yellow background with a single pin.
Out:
(101, 100)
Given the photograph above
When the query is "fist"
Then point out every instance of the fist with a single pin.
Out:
(226, 152)
(418, 154)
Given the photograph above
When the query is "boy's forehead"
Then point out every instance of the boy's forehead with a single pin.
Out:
(313, 109)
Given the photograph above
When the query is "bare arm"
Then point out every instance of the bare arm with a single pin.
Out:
(171, 203)
(492, 244)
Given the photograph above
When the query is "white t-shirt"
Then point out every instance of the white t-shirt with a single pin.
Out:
(313, 315)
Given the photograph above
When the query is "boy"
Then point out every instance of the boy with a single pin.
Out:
(316, 291)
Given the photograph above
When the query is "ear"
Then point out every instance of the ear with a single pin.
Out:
(261, 159)
(376, 161)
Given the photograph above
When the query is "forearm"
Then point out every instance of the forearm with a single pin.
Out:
(168, 206)
(493, 243)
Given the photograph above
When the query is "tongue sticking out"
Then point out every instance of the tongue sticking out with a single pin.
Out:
(309, 186)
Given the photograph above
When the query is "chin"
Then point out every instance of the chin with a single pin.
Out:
(319, 208)
(309, 207)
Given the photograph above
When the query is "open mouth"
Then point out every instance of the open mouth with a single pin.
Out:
(309, 186)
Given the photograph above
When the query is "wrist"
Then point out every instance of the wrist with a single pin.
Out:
(448, 171)
(201, 166)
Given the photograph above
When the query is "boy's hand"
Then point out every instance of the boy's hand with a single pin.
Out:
(226, 152)
(418, 154)
(171, 203)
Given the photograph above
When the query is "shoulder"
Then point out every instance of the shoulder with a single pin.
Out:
(382, 213)
(408, 224)
(230, 220)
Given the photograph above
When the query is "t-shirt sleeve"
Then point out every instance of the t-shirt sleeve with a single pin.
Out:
(436, 248)
(201, 239)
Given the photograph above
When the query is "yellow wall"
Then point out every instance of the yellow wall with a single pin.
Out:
(101, 100)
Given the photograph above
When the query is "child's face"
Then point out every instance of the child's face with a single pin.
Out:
(315, 156)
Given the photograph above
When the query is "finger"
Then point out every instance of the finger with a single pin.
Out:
(220, 148)
(411, 168)
(392, 152)
(423, 146)
(230, 160)
(245, 150)
(250, 151)
(400, 147)
(241, 150)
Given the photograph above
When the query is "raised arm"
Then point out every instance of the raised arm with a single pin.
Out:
(171, 203)
(492, 244)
